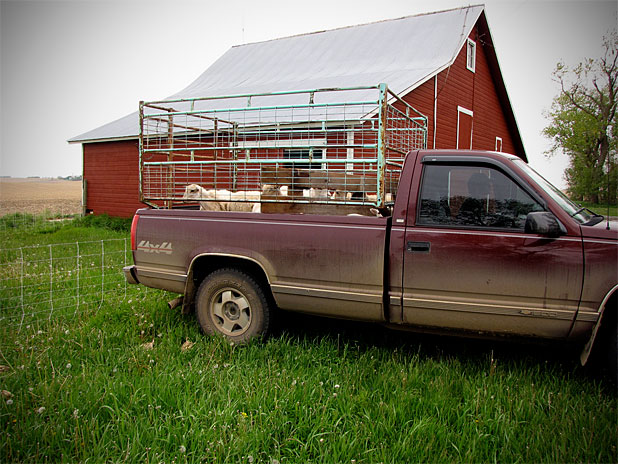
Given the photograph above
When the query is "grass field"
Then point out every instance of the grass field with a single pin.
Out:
(134, 381)
(602, 209)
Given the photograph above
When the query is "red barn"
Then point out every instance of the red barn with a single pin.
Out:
(443, 64)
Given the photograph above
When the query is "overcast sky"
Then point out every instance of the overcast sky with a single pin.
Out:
(67, 67)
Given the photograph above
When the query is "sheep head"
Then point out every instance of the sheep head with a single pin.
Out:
(192, 192)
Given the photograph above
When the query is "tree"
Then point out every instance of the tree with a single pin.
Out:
(583, 124)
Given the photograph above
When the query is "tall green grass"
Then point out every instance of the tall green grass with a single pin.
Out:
(134, 381)
(601, 209)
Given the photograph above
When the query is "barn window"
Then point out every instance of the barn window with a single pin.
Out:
(303, 153)
(498, 143)
(314, 149)
(471, 55)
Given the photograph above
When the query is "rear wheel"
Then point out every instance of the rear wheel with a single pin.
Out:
(231, 303)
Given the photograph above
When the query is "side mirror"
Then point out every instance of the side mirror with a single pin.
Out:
(544, 223)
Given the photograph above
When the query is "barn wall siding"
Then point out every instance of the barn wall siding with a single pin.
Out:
(459, 87)
(111, 171)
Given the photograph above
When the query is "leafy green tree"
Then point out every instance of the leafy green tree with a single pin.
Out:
(583, 124)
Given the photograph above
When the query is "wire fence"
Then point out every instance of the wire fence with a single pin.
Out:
(20, 221)
(61, 280)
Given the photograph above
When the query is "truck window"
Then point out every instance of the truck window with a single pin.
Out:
(472, 196)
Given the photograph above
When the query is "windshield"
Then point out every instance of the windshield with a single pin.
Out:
(578, 213)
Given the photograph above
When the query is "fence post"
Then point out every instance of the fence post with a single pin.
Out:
(21, 284)
(102, 273)
(125, 265)
(77, 272)
(51, 282)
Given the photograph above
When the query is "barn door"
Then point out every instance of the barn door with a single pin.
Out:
(464, 128)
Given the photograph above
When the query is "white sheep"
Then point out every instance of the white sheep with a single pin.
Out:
(374, 197)
(341, 195)
(372, 212)
(270, 190)
(315, 193)
(222, 200)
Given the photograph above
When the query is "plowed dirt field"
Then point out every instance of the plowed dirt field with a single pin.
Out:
(38, 196)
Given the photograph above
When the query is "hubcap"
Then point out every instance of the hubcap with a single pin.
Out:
(230, 311)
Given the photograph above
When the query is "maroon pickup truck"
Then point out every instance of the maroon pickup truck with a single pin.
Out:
(474, 243)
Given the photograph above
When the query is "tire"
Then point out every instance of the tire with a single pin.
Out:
(231, 303)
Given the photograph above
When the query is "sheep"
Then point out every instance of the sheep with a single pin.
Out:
(270, 190)
(341, 195)
(322, 194)
(196, 192)
(316, 193)
(374, 197)
(372, 212)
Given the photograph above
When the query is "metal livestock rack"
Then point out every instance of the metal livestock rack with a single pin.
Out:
(324, 146)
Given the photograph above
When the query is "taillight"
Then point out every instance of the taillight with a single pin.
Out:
(133, 230)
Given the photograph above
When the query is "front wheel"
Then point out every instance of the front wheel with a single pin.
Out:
(231, 303)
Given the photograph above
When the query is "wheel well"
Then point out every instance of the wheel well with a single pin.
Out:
(206, 265)
(610, 313)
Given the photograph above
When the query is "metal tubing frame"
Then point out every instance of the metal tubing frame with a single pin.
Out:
(190, 138)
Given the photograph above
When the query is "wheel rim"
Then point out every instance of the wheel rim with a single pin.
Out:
(230, 311)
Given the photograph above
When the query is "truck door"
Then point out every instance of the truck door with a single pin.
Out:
(468, 264)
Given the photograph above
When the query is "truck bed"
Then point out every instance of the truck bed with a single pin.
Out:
(329, 265)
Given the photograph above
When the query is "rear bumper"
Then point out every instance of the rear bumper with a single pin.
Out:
(130, 273)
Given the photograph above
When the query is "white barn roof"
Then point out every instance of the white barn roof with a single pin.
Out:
(403, 53)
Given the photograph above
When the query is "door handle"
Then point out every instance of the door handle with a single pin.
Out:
(419, 247)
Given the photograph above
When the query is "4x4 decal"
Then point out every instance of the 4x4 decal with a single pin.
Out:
(165, 247)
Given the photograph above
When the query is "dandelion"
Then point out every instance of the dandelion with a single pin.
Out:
(69, 365)
(182, 449)
(9, 402)
(337, 386)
